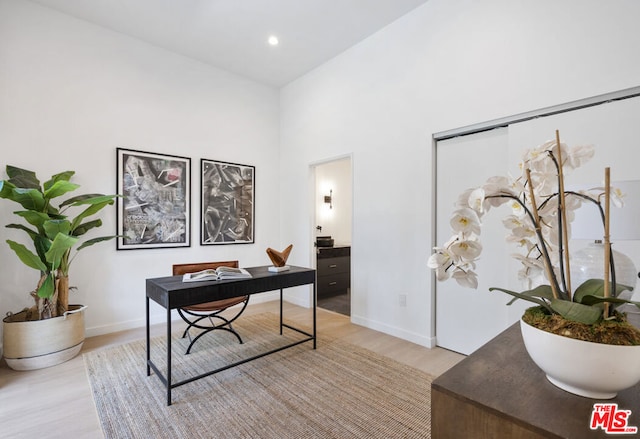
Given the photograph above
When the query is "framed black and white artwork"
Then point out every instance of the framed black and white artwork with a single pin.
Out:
(227, 203)
(154, 211)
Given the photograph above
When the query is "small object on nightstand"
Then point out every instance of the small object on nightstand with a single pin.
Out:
(279, 259)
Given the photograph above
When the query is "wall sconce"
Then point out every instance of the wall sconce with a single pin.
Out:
(328, 199)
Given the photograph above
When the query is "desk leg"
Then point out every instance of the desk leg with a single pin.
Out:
(168, 356)
(280, 311)
(315, 303)
(148, 342)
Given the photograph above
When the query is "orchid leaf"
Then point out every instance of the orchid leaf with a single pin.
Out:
(542, 291)
(576, 312)
(595, 287)
(524, 296)
(594, 300)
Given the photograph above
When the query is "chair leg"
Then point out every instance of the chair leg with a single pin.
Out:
(225, 326)
(222, 328)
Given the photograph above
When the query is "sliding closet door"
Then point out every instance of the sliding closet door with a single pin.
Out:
(468, 318)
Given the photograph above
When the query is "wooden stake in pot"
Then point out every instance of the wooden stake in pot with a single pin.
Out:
(607, 241)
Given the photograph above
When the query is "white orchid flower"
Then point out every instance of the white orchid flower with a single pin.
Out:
(441, 258)
(467, 250)
(442, 274)
(538, 155)
(465, 221)
(476, 200)
(578, 156)
(467, 278)
(523, 242)
(517, 208)
(617, 197)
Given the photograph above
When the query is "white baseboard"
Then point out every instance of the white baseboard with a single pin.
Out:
(428, 342)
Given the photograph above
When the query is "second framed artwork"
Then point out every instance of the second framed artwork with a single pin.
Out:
(227, 203)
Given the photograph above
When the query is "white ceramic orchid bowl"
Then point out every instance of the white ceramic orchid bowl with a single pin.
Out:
(592, 370)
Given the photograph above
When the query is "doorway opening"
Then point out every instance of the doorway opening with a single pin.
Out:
(332, 233)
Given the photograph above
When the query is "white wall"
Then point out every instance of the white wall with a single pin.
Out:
(334, 218)
(450, 63)
(71, 93)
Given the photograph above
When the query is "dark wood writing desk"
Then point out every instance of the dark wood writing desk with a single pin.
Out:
(499, 392)
(171, 293)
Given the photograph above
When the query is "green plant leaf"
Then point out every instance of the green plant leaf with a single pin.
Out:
(85, 227)
(53, 227)
(543, 291)
(595, 287)
(34, 218)
(32, 233)
(27, 256)
(59, 248)
(22, 177)
(92, 241)
(62, 176)
(48, 287)
(87, 199)
(30, 199)
(91, 210)
(595, 300)
(60, 188)
(576, 312)
(42, 245)
(6, 189)
(523, 296)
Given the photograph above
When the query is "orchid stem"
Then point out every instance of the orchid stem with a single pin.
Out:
(547, 263)
(564, 249)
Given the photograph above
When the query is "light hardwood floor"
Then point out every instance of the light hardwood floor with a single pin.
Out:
(56, 402)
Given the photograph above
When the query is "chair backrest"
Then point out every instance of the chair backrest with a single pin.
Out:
(199, 266)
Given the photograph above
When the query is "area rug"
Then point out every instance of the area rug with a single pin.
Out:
(336, 391)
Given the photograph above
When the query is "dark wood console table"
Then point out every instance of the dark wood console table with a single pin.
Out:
(499, 392)
(171, 293)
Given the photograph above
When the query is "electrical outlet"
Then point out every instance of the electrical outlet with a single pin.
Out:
(403, 300)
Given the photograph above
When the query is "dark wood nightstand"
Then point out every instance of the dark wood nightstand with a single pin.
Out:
(333, 270)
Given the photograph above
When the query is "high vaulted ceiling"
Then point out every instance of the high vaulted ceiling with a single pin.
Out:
(232, 34)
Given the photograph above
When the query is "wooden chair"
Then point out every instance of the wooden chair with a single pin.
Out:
(197, 316)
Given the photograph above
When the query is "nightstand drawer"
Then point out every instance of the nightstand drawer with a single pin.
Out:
(329, 266)
(332, 285)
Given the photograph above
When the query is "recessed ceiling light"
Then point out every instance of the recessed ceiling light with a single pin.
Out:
(273, 40)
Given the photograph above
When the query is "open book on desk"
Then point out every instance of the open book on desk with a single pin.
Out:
(216, 274)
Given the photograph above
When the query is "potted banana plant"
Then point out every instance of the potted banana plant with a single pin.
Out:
(51, 331)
